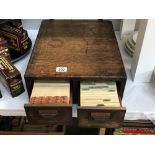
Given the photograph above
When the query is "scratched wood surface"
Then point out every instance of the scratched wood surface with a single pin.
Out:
(88, 48)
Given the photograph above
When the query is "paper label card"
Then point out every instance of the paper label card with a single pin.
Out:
(61, 69)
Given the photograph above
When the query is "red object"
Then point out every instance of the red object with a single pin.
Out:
(137, 131)
(49, 100)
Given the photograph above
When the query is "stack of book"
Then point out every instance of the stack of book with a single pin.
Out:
(4, 51)
(133, 131)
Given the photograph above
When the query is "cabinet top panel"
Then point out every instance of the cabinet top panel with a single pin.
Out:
(76, 49)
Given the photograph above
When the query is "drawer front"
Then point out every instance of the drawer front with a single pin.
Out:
(49, 114)
(107, 117)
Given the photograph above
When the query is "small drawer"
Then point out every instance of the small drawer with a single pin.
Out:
(45, 109)
(107, 117)
(100, 105)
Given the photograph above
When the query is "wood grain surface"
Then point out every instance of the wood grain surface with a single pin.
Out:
(88, 48)
(106, 117)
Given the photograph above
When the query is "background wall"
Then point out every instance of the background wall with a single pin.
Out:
(35, 23)
(29, 24)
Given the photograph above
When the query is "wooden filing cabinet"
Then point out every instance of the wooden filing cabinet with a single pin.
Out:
(85, 50)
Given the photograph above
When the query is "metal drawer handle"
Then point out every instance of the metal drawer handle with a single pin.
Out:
(100, 116)
(48, 114)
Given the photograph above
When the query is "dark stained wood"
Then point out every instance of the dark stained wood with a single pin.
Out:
(107, 117)
(87, 48)
(60, 114)
(120, 87)
(49, 114)
(29, 84)
(138, 123)
(29, 133)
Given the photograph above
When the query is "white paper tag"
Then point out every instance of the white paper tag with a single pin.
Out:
(61, 69)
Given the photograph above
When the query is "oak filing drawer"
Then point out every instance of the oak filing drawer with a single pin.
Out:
(88, 49)
(46, 110)
(100, 105)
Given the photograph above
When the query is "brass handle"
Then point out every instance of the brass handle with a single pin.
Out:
(48, 114)
(100, 116)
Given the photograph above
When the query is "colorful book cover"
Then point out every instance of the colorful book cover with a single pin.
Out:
(133, 131)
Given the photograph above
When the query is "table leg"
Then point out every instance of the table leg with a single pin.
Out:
(102, 131)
